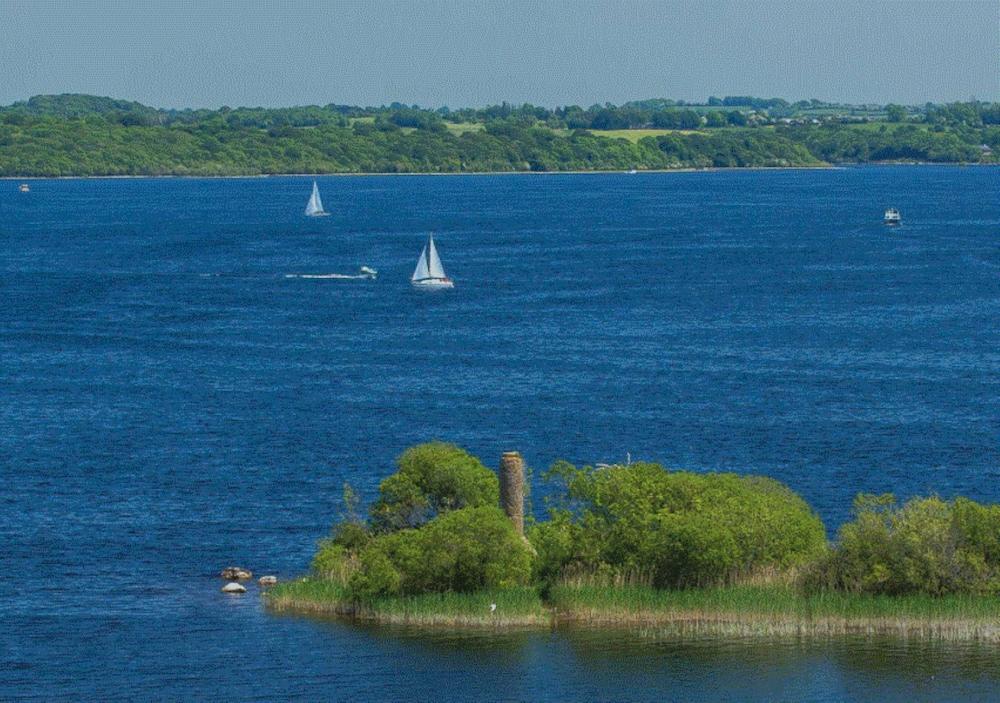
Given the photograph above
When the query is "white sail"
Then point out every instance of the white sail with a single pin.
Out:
(315, 205)
(434, 267)
(420, 273)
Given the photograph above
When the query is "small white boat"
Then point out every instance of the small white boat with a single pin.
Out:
(365, 272)
(429, 272)
(632, 171)
(24, 188)
(314, 208)
(892, 217)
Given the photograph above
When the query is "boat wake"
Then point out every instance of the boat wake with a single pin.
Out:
(363, 273)
(324, 275)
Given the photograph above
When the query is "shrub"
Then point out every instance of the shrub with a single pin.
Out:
(463, 550)
(678, 528)
(432, 478)
(333, 562)
(375, 576)
(927, 545)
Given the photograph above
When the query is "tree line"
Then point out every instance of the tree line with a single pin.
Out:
(80, 135)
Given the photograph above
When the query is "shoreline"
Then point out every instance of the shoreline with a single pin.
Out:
(712, 169)
(680, 622)
(694, 612)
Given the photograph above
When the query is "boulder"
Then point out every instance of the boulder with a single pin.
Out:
(235, 573)
(234, 587)
(267, 580)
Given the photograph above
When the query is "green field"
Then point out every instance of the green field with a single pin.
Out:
(634, 135)
(463, 127)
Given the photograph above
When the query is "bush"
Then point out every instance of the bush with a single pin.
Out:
(376, 576)
(432, 478)
(463, 550)
(928, 545)
(676, 528)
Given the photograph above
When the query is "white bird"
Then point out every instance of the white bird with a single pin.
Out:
(493, 607)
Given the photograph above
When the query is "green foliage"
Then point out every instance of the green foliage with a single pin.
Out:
(905, 142)
(463, 550)
(675, 528)
(895, 113)
(375, 577)
(436, 528)
(334, 562)
(432, 478)
(927, 545)
(732, 148)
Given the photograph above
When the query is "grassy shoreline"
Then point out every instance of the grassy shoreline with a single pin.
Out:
(516, 608)
(741, 611)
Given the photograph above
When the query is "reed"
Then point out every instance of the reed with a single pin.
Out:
(755, 609)
(515, 607)
(778, 609)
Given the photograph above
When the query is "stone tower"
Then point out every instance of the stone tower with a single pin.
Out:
(512, 488)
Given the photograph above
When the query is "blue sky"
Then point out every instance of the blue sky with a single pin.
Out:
(292, 52)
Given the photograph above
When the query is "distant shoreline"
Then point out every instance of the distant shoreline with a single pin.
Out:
(720, 169)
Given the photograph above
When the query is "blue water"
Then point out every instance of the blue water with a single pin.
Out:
(171, 403)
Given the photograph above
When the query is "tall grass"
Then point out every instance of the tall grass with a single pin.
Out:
(744, 610)
(515, 607)
(779, 609)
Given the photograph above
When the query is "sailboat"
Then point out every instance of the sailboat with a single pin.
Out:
(315, 206)
(429, 272)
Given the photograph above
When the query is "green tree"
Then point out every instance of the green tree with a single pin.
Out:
(432, 478)
(463, 550)
(674, 528)
(895, 113)
(927, 545)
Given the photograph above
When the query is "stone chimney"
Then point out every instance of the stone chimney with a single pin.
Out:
(512, 488)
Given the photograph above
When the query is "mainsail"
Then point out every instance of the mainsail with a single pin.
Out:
(315, 206)
(420, 273)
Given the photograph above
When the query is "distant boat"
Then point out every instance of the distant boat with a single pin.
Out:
(892, 217)
(632, 171)
(315, 206)
(429, 272)
(24, 188)
(365, 272)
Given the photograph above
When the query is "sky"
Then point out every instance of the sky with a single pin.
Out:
(178, 53)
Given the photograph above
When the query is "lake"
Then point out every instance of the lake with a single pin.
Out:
(173, 403)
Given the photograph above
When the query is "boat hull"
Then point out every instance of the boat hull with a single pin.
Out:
(433, 283)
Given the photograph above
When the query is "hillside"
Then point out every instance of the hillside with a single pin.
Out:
(82, 135)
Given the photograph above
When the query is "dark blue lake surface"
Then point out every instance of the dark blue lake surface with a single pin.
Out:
(171, 403)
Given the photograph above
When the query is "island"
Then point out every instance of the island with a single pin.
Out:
(82, 135)
(449, 543)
